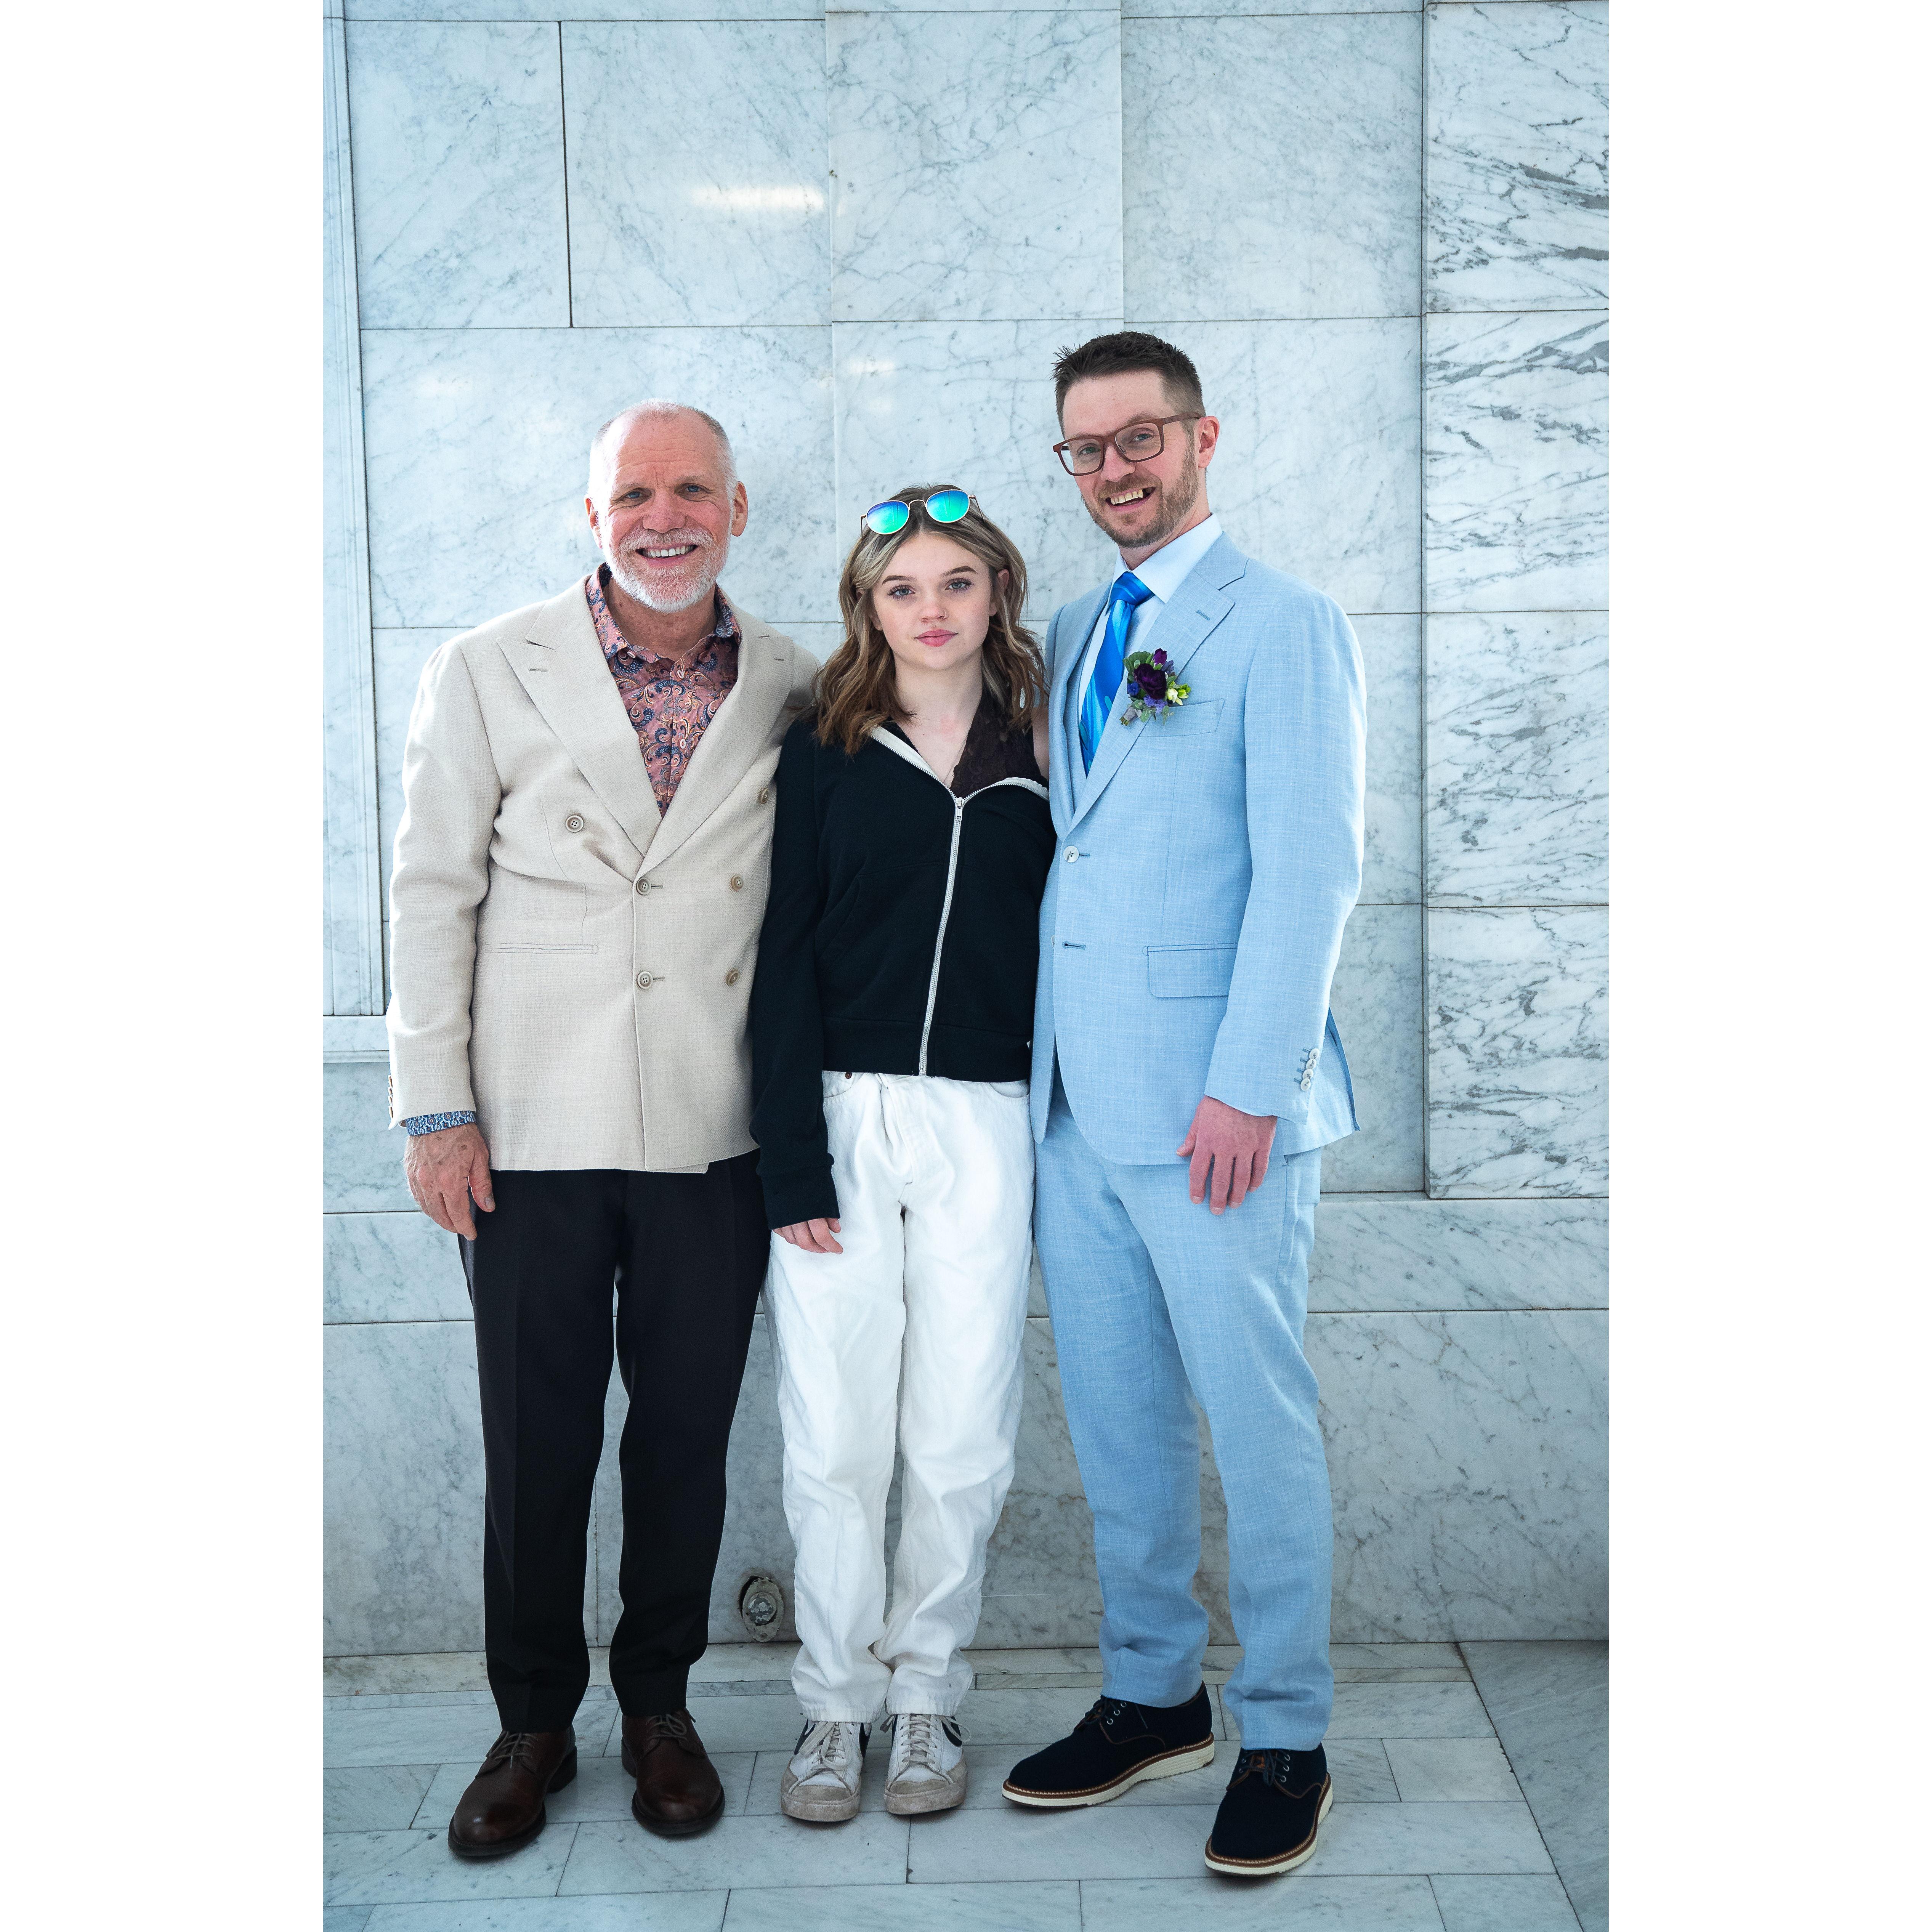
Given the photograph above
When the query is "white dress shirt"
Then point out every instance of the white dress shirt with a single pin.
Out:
(1163, 574)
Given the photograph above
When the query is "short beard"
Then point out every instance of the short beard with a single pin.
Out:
(706, 565)
(1179, 505)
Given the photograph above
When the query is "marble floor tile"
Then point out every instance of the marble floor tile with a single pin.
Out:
(1421, 1838)
(1467, 1455)
(1450, 1771)
(414, 1735)
(1374, 1253)
(1515, 463)
(971, 402)
(744, 1663)
(403, 1490)
(1516, 788)
(1395, 1663)
(1484, 1903)
(1317, 471)
(987, 1905)
(458, 137)
(736, 1852)
(1161, 9)
(402, 1867)
(667, 224)
(391, 1267)
(1377, 1002)
(1549, 1704)
(345, 1917)
(601, 1789)
(581, 10)
(1386, 1711)
(667, 1912)
(1517, 212)
(1518, 1051)
(422, 1673)
(1104, 1841)
(975, 203)
(445, 408)
(1313, 165)
(1392, 817)
(1302, 1899)
(374, 1797)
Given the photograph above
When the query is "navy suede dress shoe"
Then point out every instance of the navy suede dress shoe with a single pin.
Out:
(1116, 1746)
(1273, 1807)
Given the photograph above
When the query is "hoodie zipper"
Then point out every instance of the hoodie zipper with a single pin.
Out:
(945, 913)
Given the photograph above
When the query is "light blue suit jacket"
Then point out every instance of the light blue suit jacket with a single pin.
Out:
(1205, 867)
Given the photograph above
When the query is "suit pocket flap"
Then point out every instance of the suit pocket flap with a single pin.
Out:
(1190, 972)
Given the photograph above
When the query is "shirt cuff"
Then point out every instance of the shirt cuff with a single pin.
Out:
(434, 1124)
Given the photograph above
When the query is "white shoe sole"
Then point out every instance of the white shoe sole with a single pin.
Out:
(1234, 1868)
(815, 1807)
(1190, 1757)
(930, 1794)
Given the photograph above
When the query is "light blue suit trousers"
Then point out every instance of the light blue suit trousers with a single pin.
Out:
(1188, 939)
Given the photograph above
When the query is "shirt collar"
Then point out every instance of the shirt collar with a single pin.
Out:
(612, 639)
(1164, 572)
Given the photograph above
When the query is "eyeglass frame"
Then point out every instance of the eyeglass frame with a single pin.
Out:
(1160, 423)
(914, 503)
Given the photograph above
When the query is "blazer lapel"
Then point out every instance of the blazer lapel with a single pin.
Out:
(1062, 743)
(740, 731)
(1189, 619)
(563, 668)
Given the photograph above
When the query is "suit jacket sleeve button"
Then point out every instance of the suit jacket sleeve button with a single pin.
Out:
(764, 794)
(731, 977)
(737, 884)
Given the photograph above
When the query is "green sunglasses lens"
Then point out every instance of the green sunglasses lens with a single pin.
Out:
(947, 506)
(887, 519)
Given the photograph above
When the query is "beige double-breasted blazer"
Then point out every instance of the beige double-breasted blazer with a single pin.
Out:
(565, 959)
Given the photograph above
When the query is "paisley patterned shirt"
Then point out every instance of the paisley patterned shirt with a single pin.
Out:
(670, 704)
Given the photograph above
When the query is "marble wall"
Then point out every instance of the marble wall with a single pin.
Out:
(858, 238)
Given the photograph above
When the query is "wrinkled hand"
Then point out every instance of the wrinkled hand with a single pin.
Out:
(1235, 1145)
(814, 1236)
(446, 1171)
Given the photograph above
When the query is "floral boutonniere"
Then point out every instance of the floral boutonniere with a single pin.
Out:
(1152, 691)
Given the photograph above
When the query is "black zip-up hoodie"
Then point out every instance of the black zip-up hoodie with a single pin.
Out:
(901, 935)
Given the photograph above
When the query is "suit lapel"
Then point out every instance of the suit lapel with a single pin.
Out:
(741, 729)
(1187, 622)
(563, 670)
(1063, 742)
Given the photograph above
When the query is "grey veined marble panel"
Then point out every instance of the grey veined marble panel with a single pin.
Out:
(969, 402)
(479, 442)
(1312, 165)
(976, 165)
(1518, 1075)
(403, 1489)
(1378, 1253)
(1515, 463)
(1518, 779)
(585, 10)
(392, 1267)
(399, 658)
(1467, 1454)
(1392, 843)
(1518, 207)
(1377, 1001)
(669, 223)
(1317, 470)
(361, 1155)
(458, 139)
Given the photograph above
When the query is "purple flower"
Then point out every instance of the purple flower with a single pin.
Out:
(1152, 678)
(1160, 657)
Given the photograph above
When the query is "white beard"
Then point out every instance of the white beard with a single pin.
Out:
(680, 590)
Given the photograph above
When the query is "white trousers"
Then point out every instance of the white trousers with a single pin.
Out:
(918, 1323)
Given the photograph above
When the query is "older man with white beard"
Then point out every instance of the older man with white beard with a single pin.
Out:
(579, 876)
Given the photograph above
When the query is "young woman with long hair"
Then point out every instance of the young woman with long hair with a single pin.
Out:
(892, 1024)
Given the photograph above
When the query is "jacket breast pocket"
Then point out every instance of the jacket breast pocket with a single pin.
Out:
(1196, 716)
(1190, 972)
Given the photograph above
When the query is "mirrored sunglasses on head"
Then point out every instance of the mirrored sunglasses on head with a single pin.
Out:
(942, 506)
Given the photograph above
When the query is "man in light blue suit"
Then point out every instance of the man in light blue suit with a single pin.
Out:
(1186, 1073)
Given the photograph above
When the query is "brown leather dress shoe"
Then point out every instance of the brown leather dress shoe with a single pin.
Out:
(678, 1792)
(503, 1806)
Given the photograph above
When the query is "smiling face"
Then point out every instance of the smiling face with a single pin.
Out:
(664, 510)
(1144, 504)
(934, 603)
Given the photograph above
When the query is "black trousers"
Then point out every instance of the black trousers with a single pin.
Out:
(686, 1255)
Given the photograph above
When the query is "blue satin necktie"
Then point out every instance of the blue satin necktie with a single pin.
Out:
(1109, 663)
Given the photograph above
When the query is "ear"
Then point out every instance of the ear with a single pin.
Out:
(590, 510)
(1207, 434)
(1006, 581)
(740, 509)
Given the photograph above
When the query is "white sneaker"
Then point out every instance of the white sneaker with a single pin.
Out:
(927, 1772)
(821, 1783)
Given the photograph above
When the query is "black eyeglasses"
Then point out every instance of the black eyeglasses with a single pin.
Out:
(1081, 455)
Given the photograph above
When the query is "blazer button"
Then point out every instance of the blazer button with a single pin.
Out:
(1072, 853)
(574, 823)
(737, 884)
(644, 887)
(731, 977)
(643, 979)
(764, 794)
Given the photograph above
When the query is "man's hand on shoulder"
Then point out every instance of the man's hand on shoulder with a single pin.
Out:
(446, 1171)
(1227, 1153)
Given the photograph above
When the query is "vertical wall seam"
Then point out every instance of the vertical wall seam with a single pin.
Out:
(563, 131)
(1422, 586)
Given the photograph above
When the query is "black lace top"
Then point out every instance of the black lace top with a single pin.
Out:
(991, 752)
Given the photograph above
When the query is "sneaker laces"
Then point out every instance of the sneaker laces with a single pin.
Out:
(827, 1751)
(916, 1734)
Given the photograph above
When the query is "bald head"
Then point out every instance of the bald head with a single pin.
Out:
(654, 412)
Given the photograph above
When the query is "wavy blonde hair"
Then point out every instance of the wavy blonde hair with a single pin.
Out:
(855, 693)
